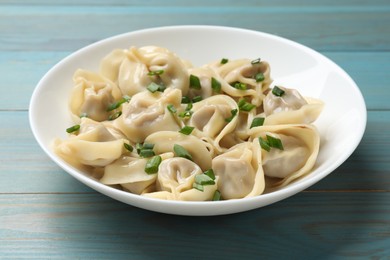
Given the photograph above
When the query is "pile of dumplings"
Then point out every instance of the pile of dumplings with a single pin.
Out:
(151, 124)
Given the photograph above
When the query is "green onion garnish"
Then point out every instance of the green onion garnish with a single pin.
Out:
(203, 179)
(115, 115)
(180, 151)
(234, 113)
(197, 186)
(171, 108)
(73, 129)
(256, 61)
(259, 77)
(147, 146)
(275, 142)
(258, 121)
(243, 105)
(215, 85)
(83, 115)
(146, 153)
(264, 144)
(185, 100)
(128, 147)
(194, 82)
(217, 195)
(152, 164)
(155, 72)
(239, 85)
(210, 173)
(186, 114)
(224, 61)
(116, 105)
(153, 87)
(196, 99)
(277, 91)
(189, 107)
(187, 130)
(145, 150)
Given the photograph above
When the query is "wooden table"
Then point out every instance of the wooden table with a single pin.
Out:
(45, 213)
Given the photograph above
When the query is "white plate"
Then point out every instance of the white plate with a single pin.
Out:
(341, 124)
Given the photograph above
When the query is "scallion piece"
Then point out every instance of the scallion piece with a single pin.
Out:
(115, 115)
(275, 142)
(171, 108)
(180, 151)
(210, 173)
(152, 164)
(277, 91)
(187, 130)
(155, 72)
(116, 105)
(259, 77)
(73, 129)
(264, 144)
(83, 115)
(138, 147)
(243, 105)
(186, 114)
(146, 153)
(147, 146)
(257, 121)
(185, 100)
(217, 195)
(197, 186)
(189, 106)
(233, 114)
(256, 61)
(194, 82)
(224, 61)
(215, 85)
(239, 85)
(203, 179)
(128, 147)
(153, 87)
(196, 99)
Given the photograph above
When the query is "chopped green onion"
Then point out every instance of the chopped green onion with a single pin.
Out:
(185, 100)
(153, 87)
(259, 77)
(187, 130)
(203, 179)
(171, 108)
(277, 91)
(138, 147)
(215, 85)
(234, 113)
(275, 142)
(115, 115)
(73, 129)
(147, 146)
(256, 61)
(155, 72)
(239, 85)
(194, 82)
(128, 147)
(116, 105)
(189, 107)
(83, 115)
(224, 61)
(217, 195)
(197, 186)
(152, 164)
(264, 144)
(243, 105)
(210, 173)
(197, 99)
(180, 151)
(186, 114)
(258, 121)
(146, 153)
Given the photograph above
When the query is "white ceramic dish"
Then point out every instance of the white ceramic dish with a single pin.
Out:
(341, 124)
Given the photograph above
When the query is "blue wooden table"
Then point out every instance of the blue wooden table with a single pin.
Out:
(45, 213)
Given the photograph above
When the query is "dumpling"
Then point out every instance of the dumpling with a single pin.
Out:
(175, 180)
(129, 172)
(298, 156)
(147, 113)
(239, 171)
(213, 118)
(130, 69)
(164, 141)
(290, 108)
(95, 145)
(92, 95)
(244, 78)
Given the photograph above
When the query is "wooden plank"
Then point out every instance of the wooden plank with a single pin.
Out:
(368, 69)
(367, 169)
(356, 30)
(311, 225)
